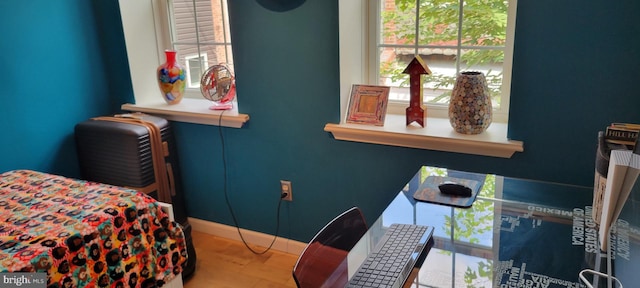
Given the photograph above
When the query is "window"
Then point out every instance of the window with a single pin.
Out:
(152, 26)
(360, 62)
(199, 31)
(450, 36)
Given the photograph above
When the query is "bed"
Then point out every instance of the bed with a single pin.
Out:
(85, 234)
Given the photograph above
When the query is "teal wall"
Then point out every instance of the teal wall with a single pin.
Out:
(573, 74)
(54, 76)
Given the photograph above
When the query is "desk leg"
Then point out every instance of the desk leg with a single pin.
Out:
(412, 279)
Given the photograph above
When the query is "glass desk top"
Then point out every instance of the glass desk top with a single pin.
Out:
(518, 233)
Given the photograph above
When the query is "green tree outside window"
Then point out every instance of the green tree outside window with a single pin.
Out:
(477, 44)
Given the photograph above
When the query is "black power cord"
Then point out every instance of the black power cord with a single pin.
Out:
(226, 196)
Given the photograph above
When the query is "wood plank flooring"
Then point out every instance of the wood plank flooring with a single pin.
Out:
(227, 263)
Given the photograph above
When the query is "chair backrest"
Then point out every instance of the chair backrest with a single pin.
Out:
(323, 263)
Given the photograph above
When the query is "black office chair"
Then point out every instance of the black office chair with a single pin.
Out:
(323, 263)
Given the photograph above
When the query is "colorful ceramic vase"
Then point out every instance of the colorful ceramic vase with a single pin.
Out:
(470, 105)
(171, 78)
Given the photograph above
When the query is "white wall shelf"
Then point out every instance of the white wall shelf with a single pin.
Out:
(192, 111)
(436, 135)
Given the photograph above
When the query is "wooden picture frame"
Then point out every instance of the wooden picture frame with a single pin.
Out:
(368, 104)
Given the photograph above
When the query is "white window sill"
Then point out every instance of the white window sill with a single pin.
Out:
(192, 111)
(436, 135)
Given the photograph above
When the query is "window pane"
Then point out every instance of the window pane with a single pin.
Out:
(485, 22)
(185, 14)
(215, 54)
(398, 22)
(437, 86)
(392, 62)
(210, 20)
(193, 69)
(195, 66)
(209, 55)
(439, 22)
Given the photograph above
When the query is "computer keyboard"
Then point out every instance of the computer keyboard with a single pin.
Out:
(393, 258)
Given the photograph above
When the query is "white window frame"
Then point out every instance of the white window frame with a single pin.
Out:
(146, 31)
(355, 64)
(441, 110)
(165, 30)
(367, 35)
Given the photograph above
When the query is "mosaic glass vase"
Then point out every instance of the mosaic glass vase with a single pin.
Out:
(470, 109)
(171, 78)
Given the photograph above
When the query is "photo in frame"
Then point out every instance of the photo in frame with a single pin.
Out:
(368, 104)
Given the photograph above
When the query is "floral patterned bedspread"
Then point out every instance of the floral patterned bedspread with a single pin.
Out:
(85, 234)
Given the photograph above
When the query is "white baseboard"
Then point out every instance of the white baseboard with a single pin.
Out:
(252, 237)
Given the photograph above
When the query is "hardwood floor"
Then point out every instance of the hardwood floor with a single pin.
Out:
(226, 263)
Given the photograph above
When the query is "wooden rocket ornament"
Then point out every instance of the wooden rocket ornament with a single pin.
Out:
(416, 109)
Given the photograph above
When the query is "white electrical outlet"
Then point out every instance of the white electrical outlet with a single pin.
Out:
(286, 189)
